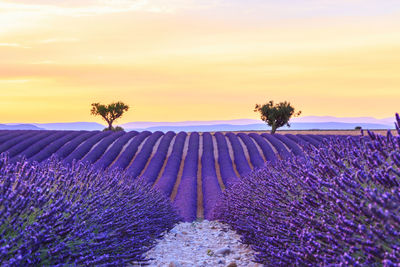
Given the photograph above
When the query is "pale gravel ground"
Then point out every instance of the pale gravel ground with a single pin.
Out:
(198, 244)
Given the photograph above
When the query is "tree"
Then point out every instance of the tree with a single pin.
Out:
(276, 115)
(109, 112)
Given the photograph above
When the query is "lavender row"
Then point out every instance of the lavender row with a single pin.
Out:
(242, 165)
(15, 140)
(309, 139)
(18, 148)
(35, 148)
(210, 186)
(47, 151)
(126, 156)
(167, 180)
(298, 140)
(279, 146)
(3, 132)
(256, 159)
(228, 174)
(143, 156)
(114, 151)
(269, 154)
(294, 148)
(157, 161)
(68, 147)
(186, 198)
(85, 147)
(7, 135)
(102, 146)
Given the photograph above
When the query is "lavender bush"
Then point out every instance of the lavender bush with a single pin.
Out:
(51, 214)
(338, 205)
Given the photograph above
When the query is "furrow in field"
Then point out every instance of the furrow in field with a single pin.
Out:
(143, 156)
(139, 149)
(153, 152)
(232, 155)
(246, 152)
(217, 167)
(179, 176)
(241, 163)
(126, 158)
(171, 145)
(259, 150)
(114, 150)
(273, 148)
(169, 176)
(122, 150)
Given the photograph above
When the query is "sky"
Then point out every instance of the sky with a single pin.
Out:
(181, 60)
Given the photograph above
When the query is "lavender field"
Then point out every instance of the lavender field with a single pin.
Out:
(192, 169)
(303, 199)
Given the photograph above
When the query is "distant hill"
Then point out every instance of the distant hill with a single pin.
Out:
(264, 127)
(19, 127)
(89, 126)
(301, 123)
(150, 124)
(385, 121)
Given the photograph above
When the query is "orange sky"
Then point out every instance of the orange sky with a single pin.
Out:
(180, 60)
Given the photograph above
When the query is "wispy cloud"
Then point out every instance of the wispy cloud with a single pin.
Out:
(100, 7)
(59, 40)
(14, 81)
(44, 62)
(17, 45)
(200, 53)
(85, 7)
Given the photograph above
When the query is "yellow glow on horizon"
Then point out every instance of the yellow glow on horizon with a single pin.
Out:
(173, 65)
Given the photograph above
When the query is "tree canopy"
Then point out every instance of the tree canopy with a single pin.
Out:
(276, 115)
(109, 112)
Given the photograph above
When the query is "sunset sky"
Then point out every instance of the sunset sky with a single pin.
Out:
(197, 60)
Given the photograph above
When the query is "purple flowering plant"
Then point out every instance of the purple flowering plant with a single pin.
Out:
(337, 205)
(53, 214)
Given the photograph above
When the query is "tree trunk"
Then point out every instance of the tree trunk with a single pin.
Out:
(273, 130)
(110, 126)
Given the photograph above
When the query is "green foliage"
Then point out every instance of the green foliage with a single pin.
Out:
(358, 128)
(114, 129)
(110, 112)
(276, 115)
